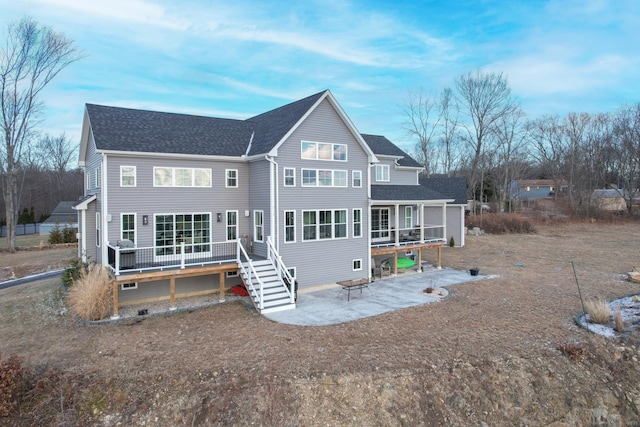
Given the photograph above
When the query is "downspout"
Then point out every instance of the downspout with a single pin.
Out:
(274, 203)
(103, 216)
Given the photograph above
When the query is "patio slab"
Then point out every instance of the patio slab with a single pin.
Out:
(329, 306)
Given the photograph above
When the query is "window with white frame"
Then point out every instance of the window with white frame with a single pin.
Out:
(357, 264)
(357, 223)
(173, 230)
(181, 177)
(98, 177)
(356, 179)
(232, 178)
(379, 223)
(98, 229)
(324, 224)
(129, 286)
(289, 177)
(88, 180)
(128, 227)
(258, 226)
(407, 217)
(323, 151)
(232, 225)
(289, 226)
(382, 172)
(324, 178)
(127, 176)
(232, 273)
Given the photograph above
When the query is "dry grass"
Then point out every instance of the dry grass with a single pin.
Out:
(501, 223)
(619, 321)
(598, 310)
(90, 295)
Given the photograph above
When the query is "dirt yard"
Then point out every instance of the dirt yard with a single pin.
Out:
(499, 352)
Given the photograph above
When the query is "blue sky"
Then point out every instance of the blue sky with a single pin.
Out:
(237, 59)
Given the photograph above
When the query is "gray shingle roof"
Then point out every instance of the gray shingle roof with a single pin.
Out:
(454, 188)
(404, 192)
(381, 145)
(125, 129)
(271, 126)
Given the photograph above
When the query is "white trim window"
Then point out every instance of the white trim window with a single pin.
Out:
(88, 180)
(128, 226)
(382, 173)
(357, 223)
(357, 264)
(192, 229)
(232, 178)
(323, 151)
(356, 179)
(324, 224)
(258, 226)
(127, 176)
(98, 229)
(408, 216)
(289, 177)
(289, 226)
(324, 178)
(380, 223)
(181, 177)
(128, 286)
(99, 177)
(231, 274)
(232, 225)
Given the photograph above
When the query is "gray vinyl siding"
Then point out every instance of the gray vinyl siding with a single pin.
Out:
(455, 214)
(396, 176)
(323, 261)
(259, 199)
(92, 252)
(92, 161)
(145, 199)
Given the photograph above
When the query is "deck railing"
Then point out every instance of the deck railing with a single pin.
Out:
(127, 259)
(283, 272)
(408, 236)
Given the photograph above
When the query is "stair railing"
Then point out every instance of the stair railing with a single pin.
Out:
(248, 274)
(276, 260)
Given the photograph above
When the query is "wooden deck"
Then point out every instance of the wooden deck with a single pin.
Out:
(395, 250)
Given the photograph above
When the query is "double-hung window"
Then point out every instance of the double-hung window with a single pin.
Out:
(289, 226)
(357, 223)
(258, 226)
(356, 179)
(232, 225)
(289, 177)
(407, 217)
(382, 172)
(232, 178)
(128, 227)
(127, 176)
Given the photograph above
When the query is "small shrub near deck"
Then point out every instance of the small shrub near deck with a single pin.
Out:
(501, 223)
(598, 310)
(72, 271)
(90, 295)
(12, 378)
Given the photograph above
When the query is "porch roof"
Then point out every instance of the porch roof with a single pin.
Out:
(406, 193)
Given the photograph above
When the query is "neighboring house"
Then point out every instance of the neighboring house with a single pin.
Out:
(63, 216)
(536, 188)
(179, 205)
(609, 200)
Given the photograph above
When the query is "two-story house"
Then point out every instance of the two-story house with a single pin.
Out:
(180, 205)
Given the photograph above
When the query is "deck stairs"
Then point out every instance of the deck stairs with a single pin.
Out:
(275, 295)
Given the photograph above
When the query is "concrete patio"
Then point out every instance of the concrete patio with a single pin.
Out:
(329, 306)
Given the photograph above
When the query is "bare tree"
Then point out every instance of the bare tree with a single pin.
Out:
(485, 97)
(510, 139)
(31, 57)
(57, 152)
(625, 150)
(423, 116)
(449, 132)
(548, 146)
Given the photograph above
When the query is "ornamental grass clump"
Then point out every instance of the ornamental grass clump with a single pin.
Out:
(90, 295)
(598, 310)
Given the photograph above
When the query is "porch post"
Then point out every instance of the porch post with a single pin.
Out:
(395, 263)
(397, 226)
(439, 257)
(222, 286)
(115, 314)
(444, 221)
(419, 260)
(421, 219)
(172, 290)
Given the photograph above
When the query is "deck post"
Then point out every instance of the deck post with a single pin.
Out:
(115, 301)
(419, 260)
(222, 286)
(439, 257)
(395, 263)
(172, 290)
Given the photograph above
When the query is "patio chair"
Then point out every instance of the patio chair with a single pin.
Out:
(380, 268)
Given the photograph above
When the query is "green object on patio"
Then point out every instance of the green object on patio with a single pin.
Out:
(405, 263)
